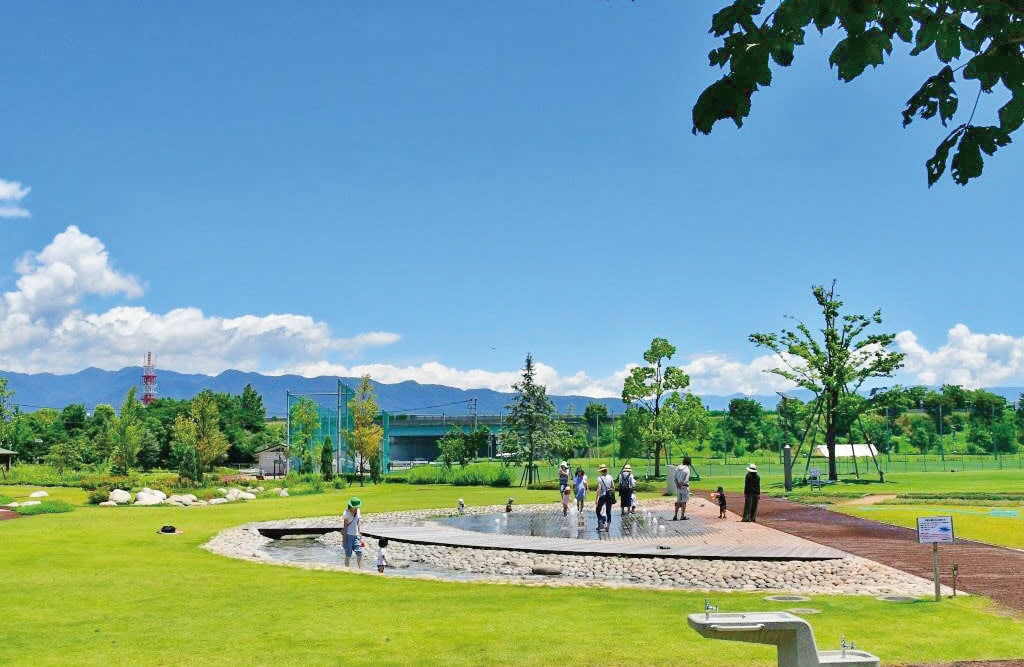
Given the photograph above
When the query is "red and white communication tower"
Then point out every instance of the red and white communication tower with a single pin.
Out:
(148, 380)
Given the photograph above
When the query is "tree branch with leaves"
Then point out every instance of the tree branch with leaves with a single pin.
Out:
(985, 37)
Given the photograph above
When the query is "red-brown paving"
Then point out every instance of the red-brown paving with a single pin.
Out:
(995, 572)
(7, 514)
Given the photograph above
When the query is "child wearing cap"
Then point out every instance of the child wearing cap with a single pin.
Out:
(566, 498)
(353, 538)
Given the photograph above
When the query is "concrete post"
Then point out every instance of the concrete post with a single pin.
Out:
(787, 467)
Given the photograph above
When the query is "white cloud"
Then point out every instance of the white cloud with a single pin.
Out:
(12, 192)
(969, 359)
(44, 326)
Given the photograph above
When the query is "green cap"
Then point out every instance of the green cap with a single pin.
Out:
(355, 502)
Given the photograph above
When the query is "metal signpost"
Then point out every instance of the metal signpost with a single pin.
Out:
(935, 530)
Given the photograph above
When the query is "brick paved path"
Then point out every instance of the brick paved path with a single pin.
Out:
(994, 572)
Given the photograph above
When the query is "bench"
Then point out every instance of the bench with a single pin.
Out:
(791, 635)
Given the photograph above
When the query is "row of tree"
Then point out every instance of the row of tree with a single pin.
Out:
(190, 435)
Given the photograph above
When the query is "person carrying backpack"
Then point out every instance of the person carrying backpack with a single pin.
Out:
(627, 486)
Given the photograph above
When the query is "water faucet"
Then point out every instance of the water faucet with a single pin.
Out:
(708, 608)
(843, 645)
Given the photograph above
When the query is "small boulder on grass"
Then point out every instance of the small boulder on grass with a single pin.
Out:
(108, 503)
(146, 499)
(120, 496)
(218, 501)
(38, 494)
(245, 495)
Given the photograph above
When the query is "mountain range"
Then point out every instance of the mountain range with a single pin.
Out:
(94, 386)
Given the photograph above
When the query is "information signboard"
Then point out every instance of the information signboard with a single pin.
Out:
(935, 529)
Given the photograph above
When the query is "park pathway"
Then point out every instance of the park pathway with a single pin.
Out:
(994, 572)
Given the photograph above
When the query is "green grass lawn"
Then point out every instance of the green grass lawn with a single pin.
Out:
(992, 524)
(911, 482)
(98, 586)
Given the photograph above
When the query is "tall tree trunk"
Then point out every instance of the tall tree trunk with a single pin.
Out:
(831, 405)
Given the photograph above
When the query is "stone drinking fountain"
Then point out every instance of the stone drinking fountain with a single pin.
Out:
(791, 635)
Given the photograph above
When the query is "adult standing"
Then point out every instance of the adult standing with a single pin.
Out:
(681, 477)
(580, 482)
(352, 535)
(605, 497)
(627, 485)
(751, 493)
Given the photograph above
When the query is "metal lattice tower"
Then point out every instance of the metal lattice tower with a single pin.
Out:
(148, 380)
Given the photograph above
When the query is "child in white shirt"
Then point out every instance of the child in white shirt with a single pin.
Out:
(382, 554)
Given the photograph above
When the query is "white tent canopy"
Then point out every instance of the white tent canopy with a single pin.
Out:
(845, 451)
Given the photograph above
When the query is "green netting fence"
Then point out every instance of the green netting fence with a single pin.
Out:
(315, 416)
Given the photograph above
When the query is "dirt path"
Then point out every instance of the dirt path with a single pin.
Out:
(8, 514)
(994, 572)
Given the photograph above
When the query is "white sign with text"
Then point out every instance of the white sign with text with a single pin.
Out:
(935, 529)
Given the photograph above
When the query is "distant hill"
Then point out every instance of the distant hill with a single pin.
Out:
(94, 386)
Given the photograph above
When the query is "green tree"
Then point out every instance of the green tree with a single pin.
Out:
(836, 365)
(184, 452)
(327, 459)
(149, 449)
(530, 419)
(694, 422)
(632, 426)
(593, 415)
(73, 419)
(6, 414)
(65, 456)
(211, 444)
(452, 446)
(252, 415)
(304, 423)
(366, 435)
(127, 435)
(1004, 435)
(982, 38)
(647, 385)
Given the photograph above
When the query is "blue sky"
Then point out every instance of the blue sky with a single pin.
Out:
(430, 190)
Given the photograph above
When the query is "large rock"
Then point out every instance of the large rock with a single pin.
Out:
(38, 494)
(145, 499)
(180, 500)
(233, 494)
(154, 492)
(27, 503)
(120, 496)
(218, 501)
(546, 569)
(245, 495)
(191, 497)
(283, 493)
(108, 503)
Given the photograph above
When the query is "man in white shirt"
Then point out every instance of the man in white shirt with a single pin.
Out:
(353, 538)
(682, 481)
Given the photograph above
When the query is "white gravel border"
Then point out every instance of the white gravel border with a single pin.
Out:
(851, 575)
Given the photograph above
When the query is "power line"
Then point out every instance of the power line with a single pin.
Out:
(440, 405)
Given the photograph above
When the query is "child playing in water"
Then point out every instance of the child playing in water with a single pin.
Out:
(566, 498)
(719, 498)
(382, 554)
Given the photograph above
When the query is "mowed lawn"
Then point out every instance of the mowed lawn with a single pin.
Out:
(1009, 480)
(98, 586)
(1002, 525)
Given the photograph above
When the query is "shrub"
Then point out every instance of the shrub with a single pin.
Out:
(41, 475)
(110, 482)
(339, 483)
(45, 507)
(5, 499)
(99, 495)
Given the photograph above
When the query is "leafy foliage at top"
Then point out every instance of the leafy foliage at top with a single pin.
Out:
(986, 36)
